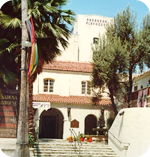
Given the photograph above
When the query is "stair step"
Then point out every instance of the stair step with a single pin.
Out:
(74, 155)
(63, 148)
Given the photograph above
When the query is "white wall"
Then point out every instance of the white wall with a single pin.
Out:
(85, 29)
(66, 83)
(129, 135)
(141, 80)
(78, 112)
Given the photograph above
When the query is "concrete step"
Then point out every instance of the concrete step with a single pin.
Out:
(63, 148)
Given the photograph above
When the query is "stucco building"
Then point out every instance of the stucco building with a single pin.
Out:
(62, 94)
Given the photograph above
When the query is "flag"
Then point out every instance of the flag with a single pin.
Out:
(139, 101)
(145, 92)
(34, 49)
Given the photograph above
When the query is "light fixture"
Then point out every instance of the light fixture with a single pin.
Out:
(68, 109)
(102, 111)
(26, 44)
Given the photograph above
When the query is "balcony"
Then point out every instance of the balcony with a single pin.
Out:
(134, 95)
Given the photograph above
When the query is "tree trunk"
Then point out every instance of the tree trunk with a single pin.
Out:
(22, 148)
(130, 88)
(31, 110)
(112, 100)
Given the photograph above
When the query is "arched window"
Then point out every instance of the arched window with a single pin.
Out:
(48, 85)
(86, 88)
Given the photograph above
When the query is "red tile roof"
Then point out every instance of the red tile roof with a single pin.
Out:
(69, 66)
(68, 99)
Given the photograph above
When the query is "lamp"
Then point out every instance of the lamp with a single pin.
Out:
(102, 111)
(26, 44)
(68, 109)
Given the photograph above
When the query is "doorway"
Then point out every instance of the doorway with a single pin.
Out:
(90, 123)
(51, 124)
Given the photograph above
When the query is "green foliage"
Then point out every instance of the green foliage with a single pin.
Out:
(81, 135)
(31, 140)
(51, 24)
(117, 54)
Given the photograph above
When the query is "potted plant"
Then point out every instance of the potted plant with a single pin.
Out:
(70, 139)
(81, 136)
(89, 138)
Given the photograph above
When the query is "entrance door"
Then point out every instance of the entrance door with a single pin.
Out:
(90, 123)
(49, 125)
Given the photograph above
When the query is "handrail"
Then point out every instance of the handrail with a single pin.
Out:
(78, 141)
(125, 144)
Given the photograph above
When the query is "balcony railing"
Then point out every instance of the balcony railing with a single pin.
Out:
(134, 95)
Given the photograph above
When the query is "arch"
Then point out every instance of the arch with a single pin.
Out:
(90, 123)
(51, 124)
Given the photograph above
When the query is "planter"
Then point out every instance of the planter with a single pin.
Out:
(89, 139)
(70, 140)
(81, 139)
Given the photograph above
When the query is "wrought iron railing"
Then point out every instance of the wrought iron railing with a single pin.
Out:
(77, 142)
(134, 95)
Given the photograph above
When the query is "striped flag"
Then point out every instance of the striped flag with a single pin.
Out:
(34, 48)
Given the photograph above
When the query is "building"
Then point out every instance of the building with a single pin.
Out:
(141, 89)
(61, 93)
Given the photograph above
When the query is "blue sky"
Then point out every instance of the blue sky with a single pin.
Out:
(107, 8)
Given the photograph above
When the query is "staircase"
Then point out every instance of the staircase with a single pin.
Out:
(63, 148)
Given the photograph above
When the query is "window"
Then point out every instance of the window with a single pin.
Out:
(48, 85)
(95, 40)
(86, 88)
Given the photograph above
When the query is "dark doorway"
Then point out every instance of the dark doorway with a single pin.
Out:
(51, 124)
(90, 123)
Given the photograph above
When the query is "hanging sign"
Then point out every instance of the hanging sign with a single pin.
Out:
(36, 104)
(46, 105)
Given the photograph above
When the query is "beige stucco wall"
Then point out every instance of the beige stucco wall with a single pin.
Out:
(85, 29)
(129, 134)
(66, 83)
(78, 112)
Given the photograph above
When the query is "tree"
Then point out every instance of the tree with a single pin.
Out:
(145, 36)
(108, 63)
(51, 24)
(123, 32)
(8, 77)
(126, 29)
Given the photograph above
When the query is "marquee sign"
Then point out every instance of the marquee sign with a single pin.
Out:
(8, 114)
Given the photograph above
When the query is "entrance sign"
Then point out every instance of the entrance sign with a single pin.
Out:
(46, 105)
(74, 124)
(36, 105)
(8, 114)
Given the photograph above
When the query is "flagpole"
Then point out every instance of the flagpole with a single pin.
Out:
(22, 147)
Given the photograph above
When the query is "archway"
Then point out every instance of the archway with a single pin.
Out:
(51, 124)
(90, 123)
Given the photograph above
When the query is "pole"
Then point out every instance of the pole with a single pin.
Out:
(22, 148)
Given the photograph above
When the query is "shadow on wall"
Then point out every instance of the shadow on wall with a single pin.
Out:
(129, 133)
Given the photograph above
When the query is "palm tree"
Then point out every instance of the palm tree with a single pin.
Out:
(8, 77)
(51, 24)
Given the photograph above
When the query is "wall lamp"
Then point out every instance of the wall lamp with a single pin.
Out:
(68, 109)
(121, 113)
(26, 44)
(102, 111)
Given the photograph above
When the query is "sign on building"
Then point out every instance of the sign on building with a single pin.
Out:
(8, 114)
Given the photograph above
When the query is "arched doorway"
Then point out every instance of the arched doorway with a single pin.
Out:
(90, 123)
(51, 124)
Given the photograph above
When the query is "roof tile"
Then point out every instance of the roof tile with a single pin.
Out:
(69, 66)
(68, 99)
